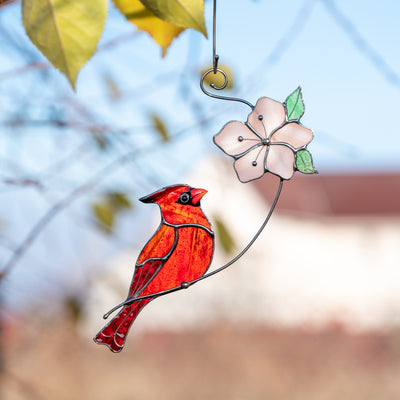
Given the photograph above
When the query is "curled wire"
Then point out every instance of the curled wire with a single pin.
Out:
(214, 70)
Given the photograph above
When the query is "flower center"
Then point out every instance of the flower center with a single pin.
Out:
(266, 142)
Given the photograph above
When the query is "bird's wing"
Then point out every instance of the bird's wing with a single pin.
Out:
(153, 256)
(190, 260)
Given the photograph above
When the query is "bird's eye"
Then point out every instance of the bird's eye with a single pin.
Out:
(184, 198)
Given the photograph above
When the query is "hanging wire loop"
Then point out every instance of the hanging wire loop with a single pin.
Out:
(215, 64)
(215, 69)
(223, 86)
(212, 84)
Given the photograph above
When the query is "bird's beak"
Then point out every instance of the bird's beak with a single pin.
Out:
(197, 194)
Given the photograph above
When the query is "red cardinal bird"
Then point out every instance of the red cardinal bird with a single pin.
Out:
(180, 251)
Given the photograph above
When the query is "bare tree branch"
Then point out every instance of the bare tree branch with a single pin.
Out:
(73, 196)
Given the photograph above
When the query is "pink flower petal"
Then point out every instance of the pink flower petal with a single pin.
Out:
(235, 138)
(280, 161)
(252, 165)
(294, 134)
(273, 115)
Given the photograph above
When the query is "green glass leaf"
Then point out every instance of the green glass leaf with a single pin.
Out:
(304, 162)
(184, 13)
(294, 105)
(66, 32)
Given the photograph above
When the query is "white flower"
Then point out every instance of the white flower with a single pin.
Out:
(267, 142)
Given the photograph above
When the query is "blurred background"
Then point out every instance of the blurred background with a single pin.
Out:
(310, 312)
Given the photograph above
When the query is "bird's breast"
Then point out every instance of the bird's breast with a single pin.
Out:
(189, 260)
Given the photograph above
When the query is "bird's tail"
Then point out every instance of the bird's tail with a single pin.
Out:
(114, 333)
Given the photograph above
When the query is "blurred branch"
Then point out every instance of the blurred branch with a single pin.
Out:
(57, 208)
(42, 65)
(92, 127)
(23, 182)
(4, 3)
(362, 44)
(283, 44)
(15, 72)
(74, 195)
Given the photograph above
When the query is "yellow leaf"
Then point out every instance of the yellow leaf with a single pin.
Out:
(107, 208)
(65, 31)
(184, 13)
(119, 201)
(160, 127)
(104, 214)
(162, 32)
(225, 238)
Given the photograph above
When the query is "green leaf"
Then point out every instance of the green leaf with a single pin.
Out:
(184, 13)
(160, 127)
(304, 162)
(66, 32)
(294, 105)
(104, 214)
(226, 239)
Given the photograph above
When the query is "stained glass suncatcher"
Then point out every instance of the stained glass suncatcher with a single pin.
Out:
(271, 140)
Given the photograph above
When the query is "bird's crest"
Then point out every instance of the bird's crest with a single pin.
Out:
(164, 192)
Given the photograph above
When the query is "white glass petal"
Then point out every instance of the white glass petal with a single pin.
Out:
(280, 161)
(252, 165)
(235, 138)
(294, 134)
(267, 115)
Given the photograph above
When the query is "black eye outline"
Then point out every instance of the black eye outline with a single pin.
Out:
(184, 198)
